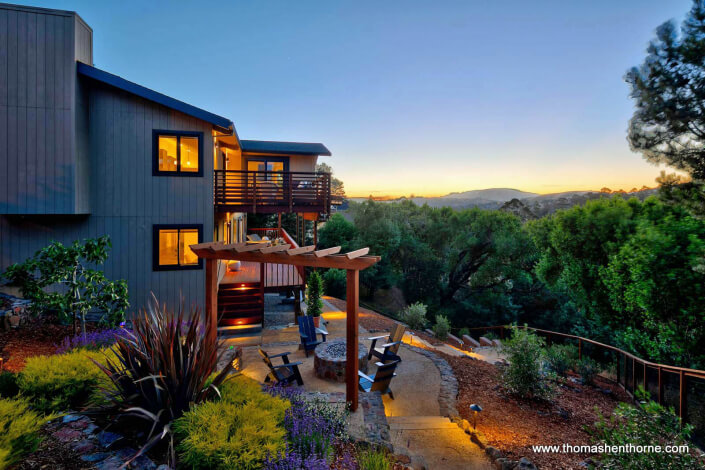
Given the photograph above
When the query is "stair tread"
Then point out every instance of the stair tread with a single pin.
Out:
(407, 419)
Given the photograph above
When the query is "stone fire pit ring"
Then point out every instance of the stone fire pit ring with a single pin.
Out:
(330, 357)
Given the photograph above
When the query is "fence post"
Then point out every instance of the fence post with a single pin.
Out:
(580, 349)
(660, 387)
(682, 396)
(633, 375)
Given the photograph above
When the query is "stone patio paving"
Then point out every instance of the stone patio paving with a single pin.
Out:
(420, 391)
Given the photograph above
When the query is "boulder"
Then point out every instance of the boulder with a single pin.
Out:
(470, 342)
(497, 343)
(493, 452)
(455, 341)
(485, 342)
(525, 464)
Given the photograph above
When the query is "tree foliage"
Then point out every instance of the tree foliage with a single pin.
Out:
(62, 279)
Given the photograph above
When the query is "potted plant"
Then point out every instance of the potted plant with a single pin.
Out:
(314, 291)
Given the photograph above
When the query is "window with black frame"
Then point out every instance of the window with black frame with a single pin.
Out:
(177, 153)
(171, 246)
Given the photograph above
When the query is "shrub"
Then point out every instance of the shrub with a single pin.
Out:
(20, 430)
(464, 331)
(442, 327)
(588, 369)
(561, 357)
(92, 341)
(314, 291)
(373, 459)
(649, 424)
(312, 425)
(523, 375)
(415, 316)
(61, 382)
(80, 287)
(8, 385)
(335, 281)
(237, 431)
(163, 368)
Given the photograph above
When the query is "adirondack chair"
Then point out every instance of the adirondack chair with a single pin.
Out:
(388, 351)
(379, 382)
(308, 331)
(284, 373)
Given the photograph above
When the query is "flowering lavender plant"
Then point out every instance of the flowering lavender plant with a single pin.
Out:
(92, 340)
(292, 459)
(313, 425)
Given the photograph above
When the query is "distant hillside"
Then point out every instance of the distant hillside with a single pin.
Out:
(524, 204)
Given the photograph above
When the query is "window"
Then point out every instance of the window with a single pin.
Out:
(268, 164)
(177, 153)
(170, 247)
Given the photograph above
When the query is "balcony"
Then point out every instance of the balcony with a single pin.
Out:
(271, 191)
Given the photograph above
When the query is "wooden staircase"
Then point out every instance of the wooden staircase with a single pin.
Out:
(240, 308)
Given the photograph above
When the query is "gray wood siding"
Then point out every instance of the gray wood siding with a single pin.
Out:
(126, 200)
(38, 156)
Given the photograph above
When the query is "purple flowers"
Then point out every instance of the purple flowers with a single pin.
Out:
(313, 426)
(92, 340)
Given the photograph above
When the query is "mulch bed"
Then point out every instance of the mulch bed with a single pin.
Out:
(32, 339)
(513, 426)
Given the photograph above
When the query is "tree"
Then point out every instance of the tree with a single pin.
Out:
(58, 278)
(656, 288)
(668, 125)
(337, 188)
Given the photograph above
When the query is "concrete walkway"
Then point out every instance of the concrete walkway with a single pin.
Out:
(416, 427)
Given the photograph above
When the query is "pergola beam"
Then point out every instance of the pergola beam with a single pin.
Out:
(352, 262)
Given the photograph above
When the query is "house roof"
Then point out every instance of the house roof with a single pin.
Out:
(221, 123)
(293, 148)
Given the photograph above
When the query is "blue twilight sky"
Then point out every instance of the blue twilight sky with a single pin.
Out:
(411, 96)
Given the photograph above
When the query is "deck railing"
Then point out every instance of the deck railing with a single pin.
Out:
(681, 388)
(271, 191)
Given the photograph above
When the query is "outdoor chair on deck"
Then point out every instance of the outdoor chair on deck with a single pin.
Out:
(284, 373)
(308, 331)
(388, 351)
(379, 382)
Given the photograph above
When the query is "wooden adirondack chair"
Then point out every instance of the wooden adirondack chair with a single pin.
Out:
(284, 373)
(379, 382)
(388, 351)
(308, 331)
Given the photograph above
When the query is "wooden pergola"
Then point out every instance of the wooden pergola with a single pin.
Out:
(352, 262)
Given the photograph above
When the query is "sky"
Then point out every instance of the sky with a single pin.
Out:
(410, 96)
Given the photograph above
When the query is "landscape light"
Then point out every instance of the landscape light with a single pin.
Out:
(475, 409)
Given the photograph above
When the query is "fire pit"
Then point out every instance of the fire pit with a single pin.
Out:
(329, 360)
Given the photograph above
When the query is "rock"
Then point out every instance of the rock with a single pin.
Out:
(525, 464)
(95, 457)
(493, 452)
(90, 429)
(485, 342)
(455, 341)
(496, 343)
(71, 418)
(402, 459)
(111, 463)
(83, 447)
(80, 424)
(143, 463)
(470, 342)
(163, 467)
(106, 439)
(465, 425)
(504, 463)
(67, 434)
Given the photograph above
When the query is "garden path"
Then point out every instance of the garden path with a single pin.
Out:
(416, 425)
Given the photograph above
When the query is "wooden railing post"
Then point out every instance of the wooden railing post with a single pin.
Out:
(682, 396)
(580, 349)
(212, 298)
(660, 387)
(352, 366)
(291, 193)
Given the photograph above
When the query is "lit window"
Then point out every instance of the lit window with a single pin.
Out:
(172, 247)
(177, 153)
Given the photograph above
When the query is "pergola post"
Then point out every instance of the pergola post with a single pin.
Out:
(352, 366)
(212, 297)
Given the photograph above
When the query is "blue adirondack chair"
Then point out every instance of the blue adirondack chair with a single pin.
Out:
(308, 332)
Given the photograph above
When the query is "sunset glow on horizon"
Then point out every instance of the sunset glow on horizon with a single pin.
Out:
(411, 97)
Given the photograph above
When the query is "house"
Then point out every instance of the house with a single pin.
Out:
(85, 153)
